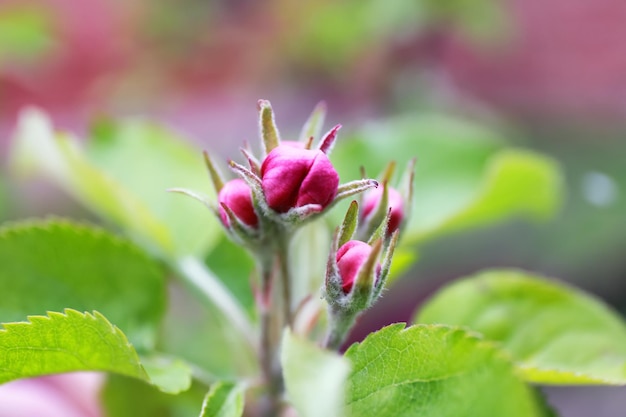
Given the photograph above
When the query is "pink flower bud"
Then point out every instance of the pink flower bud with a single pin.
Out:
(395, 201)
(295, 177)
(237, 196)
(350, 257)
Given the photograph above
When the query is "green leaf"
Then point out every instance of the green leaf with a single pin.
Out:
(120, 399)
(171, 374)
(66, 342)
(122, 176)
(224, 399)
(314, 378)
(516, 182)
(54, 264)
(556, 334)
(433, 371)
(148, 159)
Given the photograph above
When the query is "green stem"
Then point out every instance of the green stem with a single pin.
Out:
(269, 341)
(339, 328)
(283, 260)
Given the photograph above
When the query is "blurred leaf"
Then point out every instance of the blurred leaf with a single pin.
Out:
(224, 399)
(51, 265)
(314, 378)
(67, 342)
(120, 399)
(24, 32)
(205, 330)
(148, 159)
(516, 182)
(171, 374)
(123, 177)
(433, 371)
(463, 177)
(556, 334)
(234, 266)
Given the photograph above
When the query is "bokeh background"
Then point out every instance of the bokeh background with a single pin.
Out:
(548, 75)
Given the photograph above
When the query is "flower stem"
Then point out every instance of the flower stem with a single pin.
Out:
(339, 328)
(269, 341)
(283, 260)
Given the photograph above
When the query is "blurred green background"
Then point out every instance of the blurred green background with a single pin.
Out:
(452, 83)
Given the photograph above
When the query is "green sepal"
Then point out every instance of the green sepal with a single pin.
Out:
(375, 219)
(313, 126)
(363, 289)
(353, 187)
(269, 131)
(214, 173)
(349, 225)
(386, 264)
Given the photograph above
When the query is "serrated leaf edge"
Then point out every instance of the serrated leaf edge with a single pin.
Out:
(467, 333)
(34, 320)
(234, 390)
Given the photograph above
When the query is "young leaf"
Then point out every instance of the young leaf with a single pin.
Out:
(122, 176)
(67, 342)
(314, 378)
(54, 264)
(555, 333)
(433, 371)
(224, 399)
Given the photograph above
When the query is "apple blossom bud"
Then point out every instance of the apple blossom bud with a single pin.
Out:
(395, 202)
(350, 258)
(295, 177)
(237, 196)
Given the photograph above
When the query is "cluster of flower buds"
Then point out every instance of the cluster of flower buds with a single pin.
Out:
(293, 182)
(357, 269)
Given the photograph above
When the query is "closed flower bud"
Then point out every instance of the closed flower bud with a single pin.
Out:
(237, 196)
(350, 258)
(294, 177)
(395, 203)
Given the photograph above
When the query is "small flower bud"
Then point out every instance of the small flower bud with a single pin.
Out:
(294, 177)
(395, 202)
(237, 196)
(350, 258)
